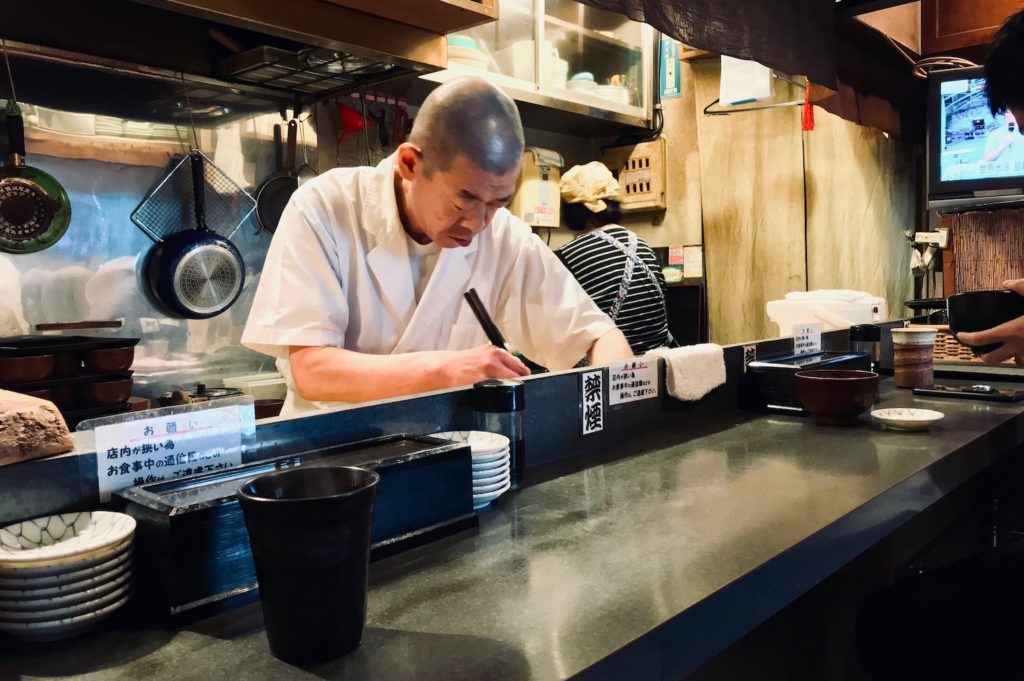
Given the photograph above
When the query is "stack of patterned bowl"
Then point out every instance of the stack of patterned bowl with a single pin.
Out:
(60, 575)
(491, 457)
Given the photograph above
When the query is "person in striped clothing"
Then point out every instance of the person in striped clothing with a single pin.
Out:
(613, 265)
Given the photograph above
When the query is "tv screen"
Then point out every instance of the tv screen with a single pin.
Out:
(970, 150)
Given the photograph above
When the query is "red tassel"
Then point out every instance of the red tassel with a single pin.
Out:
(808, 108)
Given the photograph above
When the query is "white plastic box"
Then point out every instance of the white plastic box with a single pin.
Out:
(835, 309)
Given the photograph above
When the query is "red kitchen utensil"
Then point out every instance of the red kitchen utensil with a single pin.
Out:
(351, 121)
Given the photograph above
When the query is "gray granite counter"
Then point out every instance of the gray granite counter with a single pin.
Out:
(643, 565)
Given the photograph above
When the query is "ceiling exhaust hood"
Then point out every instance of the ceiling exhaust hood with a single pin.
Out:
(227, 57)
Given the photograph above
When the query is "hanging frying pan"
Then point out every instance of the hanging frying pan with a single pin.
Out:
(34, 208)
(273, 195)
(195, 273)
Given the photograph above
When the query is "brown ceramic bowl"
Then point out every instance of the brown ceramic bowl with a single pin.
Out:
(836, 396)
(109, 360)
(266, 409)
(108, 392)
(26, 369)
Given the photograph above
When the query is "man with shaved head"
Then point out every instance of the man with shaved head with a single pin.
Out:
(361, 295)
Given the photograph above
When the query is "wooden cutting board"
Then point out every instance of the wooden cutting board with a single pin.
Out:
(30, 428)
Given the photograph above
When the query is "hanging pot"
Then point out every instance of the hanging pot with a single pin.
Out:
(195, 273)
(34, 208)
(275, 192)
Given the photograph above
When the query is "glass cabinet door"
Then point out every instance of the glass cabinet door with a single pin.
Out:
(595, 57)
(505, 47)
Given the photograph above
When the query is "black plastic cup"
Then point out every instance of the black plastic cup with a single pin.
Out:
(309, 529)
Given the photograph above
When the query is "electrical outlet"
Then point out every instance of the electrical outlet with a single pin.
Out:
(749, 355)
(938, 238)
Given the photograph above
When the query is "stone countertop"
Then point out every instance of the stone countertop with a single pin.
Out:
(648, 563)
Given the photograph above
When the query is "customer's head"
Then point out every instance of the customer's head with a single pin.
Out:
(1004, 68)
(590, 196)
(461, 162)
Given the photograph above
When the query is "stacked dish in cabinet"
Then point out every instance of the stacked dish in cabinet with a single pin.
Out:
(491, 463)
(61, 575)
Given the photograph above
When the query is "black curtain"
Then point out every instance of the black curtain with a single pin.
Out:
(792, 36)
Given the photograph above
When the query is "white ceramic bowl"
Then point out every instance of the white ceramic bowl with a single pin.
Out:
(62, 538)
(479, 489)
(65, 611)
(480, 482)
(42, 590)
(581, 85)
(501, 461)
(613, 93)
(481, 442)
(71, 571)
(484, 498)
(907, 419)
(118, 581)
(63, 628)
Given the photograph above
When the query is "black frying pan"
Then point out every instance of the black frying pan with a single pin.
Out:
(274, 193)
(34, 208)
(195, 273)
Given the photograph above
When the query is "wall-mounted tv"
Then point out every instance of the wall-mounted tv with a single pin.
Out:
(973, 156)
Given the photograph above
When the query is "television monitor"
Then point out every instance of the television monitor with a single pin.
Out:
(973, 156)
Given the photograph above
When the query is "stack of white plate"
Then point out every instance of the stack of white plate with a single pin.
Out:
(62, 574)
(491, 463)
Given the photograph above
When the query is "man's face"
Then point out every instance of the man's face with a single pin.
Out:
(1014, 114)
(453, 205)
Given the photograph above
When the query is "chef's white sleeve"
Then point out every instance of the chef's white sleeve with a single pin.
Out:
(299, 300)
(545, 313)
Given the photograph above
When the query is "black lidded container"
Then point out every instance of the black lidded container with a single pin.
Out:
(500, 404)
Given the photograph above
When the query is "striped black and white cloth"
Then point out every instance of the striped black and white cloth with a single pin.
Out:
(598, 267)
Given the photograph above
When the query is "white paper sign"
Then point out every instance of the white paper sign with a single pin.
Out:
(592, 401)
(632, 380)
(153, 449)
(744, 81)
(693, 262)
(807, 339)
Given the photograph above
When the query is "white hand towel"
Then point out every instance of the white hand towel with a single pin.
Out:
(692, 371)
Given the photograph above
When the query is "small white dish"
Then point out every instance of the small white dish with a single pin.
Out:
(489, 476)
(65, 611)
(491, 458)
(480, 441)
(483, 499)
(492, 464)
(482, 485)
(65, 628)
(45, 591)
(62, 538)
(907, 419)
(33, 578)
(37, 604)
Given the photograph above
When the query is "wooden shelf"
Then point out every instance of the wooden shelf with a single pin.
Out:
(590, 34)
(436, 16)
(124, 150)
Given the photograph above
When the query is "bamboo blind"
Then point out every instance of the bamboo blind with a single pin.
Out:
(988, 247)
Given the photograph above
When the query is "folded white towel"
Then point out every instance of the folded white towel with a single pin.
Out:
(692, 371)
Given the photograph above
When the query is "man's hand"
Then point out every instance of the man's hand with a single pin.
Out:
(1010, 334)
(464, 367)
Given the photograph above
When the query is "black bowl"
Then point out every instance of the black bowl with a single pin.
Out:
(981, 310)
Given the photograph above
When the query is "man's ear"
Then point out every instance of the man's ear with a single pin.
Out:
(409, 161)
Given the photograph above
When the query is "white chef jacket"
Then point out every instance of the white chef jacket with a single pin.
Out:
(337, 274)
